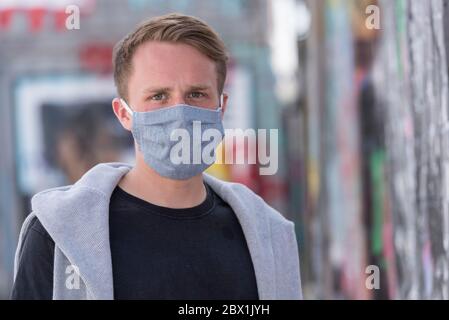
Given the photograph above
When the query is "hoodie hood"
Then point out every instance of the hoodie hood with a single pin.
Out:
(77, 219)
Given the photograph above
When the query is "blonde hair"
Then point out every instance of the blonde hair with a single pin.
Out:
(175, 28)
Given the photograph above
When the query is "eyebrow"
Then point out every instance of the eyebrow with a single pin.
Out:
(200, 87)
(168, 89)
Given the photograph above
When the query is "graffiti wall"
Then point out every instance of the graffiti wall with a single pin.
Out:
(377, 143)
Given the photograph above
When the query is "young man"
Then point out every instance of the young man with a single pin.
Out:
(160, 229)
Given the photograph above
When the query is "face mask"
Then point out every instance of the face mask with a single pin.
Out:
(178, 142)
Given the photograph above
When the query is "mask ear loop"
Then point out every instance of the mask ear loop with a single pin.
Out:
(126, 106)
(220, 107)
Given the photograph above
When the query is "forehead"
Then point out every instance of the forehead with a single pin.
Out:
(165, 62)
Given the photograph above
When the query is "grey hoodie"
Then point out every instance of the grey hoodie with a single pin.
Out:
(76, 217)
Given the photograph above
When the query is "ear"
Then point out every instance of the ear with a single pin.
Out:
(122, 115)
(224, 104)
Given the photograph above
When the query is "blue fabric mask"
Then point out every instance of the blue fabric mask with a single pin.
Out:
(173, 153)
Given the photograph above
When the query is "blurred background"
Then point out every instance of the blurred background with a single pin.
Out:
(358, 90)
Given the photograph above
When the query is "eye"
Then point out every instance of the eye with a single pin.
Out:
(158, 97)
(197, 95)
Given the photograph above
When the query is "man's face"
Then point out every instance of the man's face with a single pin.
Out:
(165, 74)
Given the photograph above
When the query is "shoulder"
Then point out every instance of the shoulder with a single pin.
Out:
(244, 197)
(33, 267)
(35, 248)
(36, 234)
(37, 227)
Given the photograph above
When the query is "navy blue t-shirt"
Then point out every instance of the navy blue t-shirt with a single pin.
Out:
(157, 253)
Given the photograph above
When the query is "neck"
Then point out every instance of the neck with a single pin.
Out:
(143, 182)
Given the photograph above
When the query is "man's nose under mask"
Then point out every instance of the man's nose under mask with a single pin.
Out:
(179, 141)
